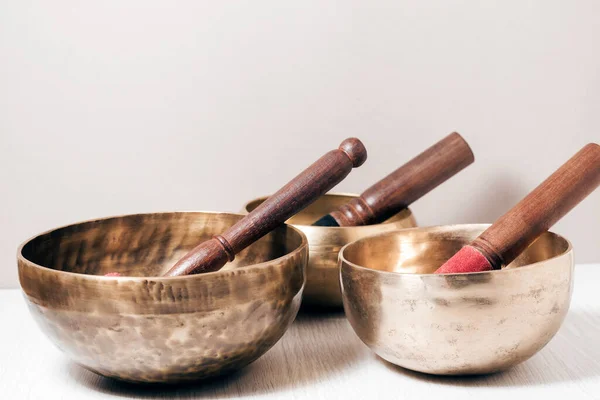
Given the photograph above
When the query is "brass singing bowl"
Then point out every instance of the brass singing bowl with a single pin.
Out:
(322, 272)
(455, 324)
(145, 328)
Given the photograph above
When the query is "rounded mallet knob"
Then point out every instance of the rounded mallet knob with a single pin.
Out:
(355, 150)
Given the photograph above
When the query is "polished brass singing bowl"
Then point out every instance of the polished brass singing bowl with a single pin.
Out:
(145, 328)
(322, 273)
(454, 324)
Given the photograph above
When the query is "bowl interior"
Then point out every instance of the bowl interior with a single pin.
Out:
(146, 244)
(423, 250)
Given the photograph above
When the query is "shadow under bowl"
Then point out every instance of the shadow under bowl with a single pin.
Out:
(144, 328)
(453, 324)
(322, 272)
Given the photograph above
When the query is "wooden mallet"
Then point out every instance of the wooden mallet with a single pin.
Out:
(301, 191)
(405, 185)
(503, 241)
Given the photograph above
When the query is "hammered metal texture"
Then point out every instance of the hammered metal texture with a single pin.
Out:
(144, 328)
(455, 324)
(322, 273)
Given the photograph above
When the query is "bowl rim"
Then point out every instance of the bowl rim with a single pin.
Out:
(342, 259)
(21, 259)
(339, 228)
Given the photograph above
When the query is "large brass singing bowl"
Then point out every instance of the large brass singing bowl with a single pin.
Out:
(144, 328)
(322, 273)
(458, 323)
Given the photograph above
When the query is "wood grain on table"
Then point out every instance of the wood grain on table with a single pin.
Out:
(320, 357)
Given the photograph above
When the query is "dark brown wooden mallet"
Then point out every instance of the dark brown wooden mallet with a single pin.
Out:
(305, 188)
(503, 241)
(405, 185)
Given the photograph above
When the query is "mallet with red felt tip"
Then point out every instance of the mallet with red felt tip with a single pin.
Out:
(503, 241)
(405, 185)
(301, 191)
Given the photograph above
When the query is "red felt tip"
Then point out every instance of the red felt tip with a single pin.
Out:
(468, 259)
(112, 274)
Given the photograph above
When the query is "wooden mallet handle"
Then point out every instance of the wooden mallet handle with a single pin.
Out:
(305, 188)
(512, 233)
(407, 184)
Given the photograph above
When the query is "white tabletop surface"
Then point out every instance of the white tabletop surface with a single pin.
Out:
(320, 357)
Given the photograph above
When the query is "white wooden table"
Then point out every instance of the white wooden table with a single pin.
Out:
(320, 357)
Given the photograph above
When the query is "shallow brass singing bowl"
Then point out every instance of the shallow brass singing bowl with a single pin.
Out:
(322, 273)
(456, 324)
(144, 328)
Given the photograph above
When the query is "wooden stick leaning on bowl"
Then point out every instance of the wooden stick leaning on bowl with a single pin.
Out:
(301, 191)
(405, 185)
(512, 233)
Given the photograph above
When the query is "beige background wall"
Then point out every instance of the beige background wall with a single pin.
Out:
(113, 107)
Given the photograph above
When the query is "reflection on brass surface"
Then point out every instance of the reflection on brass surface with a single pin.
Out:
(145, 328)
(454, 324)
(322, 273)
